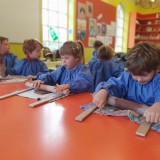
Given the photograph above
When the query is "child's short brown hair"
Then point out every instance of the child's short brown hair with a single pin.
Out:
(105, 52)
(72, 48)
(30, 45)
(143, 57)
(3, 39)
(97, 44)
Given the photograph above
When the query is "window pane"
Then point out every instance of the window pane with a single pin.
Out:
(45, 43)
(44, 4)
(62, 35)
(120, 22)
(55, 5)
(119, 41)
(53, 45)
(118, 49)
(45, 33)
(44, 17)
(62, 20)
(119, 29)
(120, 14)
(62, 8)
(119, 32)
(53, 19)
(54, 15)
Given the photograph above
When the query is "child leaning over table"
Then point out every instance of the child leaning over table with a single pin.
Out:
(9, 59)
(72, 75)
(103, 68)
(141, 83)
(31, 65)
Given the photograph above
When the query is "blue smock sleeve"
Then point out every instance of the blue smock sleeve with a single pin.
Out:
(82, 82)
(51, 78)
(156, 90)
(115, 86)
(44, 69)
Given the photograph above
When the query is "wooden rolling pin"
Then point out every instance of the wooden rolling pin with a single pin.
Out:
(117, 102)
(126, 104)
(47, 88)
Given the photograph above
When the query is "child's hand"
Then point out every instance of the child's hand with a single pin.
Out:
(61, 88)
(100, 98)
(152, 114)
(37, 83)
(30, 77)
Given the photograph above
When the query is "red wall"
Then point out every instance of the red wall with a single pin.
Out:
(108, 11)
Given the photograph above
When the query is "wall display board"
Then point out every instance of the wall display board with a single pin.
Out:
(95, 20)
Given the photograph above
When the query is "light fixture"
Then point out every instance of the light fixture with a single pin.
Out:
(146, 3)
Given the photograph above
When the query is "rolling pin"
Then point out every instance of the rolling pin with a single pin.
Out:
(126, 104)
(117, 102)
(47, 88)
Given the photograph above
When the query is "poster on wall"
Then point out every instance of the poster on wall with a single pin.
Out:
(104, 28)
(81, 10)
(108, 40)
(92, 20)
(92, 27)
(109, 30)
(113, 28)
(100, 38)
(91, 41)
(81, 24)
(89, 9)
(81, 35)
(99, 27)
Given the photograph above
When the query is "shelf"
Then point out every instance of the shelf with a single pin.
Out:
(147, 32)
(144, 28)
(147, 40)
(141, 25)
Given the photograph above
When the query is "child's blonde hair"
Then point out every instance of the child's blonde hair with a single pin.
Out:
(30, 45)
(74, 48)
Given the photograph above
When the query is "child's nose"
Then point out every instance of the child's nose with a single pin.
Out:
(139, 79)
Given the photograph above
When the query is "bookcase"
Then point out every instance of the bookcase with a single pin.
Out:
(144, 28)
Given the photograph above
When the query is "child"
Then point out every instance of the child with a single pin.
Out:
(9, 59)
(72, 75)
(96, 45)
(141, 83)
(103, 68)
(31, 65)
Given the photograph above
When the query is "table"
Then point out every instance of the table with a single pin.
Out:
(49, 132)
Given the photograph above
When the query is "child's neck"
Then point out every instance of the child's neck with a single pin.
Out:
(31, 59)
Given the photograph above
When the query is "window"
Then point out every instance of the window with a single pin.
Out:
(54, 23)
(119, 29)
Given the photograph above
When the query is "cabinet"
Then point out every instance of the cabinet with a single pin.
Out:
(147, 28)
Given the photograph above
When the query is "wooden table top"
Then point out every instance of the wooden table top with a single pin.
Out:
(49, 132)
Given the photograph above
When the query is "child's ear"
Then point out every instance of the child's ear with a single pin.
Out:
(77, 59)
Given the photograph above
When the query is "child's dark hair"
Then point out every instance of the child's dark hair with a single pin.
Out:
(97, 44)
(143, 57)
(105, 52)
(74, 48)
(30, 45)
(3, 39)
